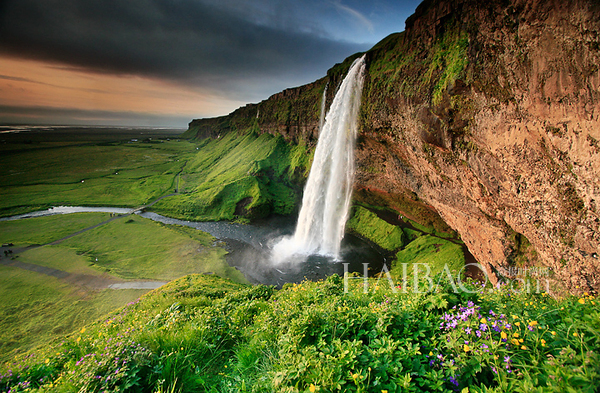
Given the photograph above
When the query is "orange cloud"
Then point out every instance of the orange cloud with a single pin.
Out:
(30, 83)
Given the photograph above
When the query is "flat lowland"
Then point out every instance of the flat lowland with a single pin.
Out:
(52, 289)
(45, 171)
(52, 282)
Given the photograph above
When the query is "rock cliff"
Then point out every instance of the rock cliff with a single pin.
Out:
(485, 113)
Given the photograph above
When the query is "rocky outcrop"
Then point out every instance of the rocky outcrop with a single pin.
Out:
(488, 113)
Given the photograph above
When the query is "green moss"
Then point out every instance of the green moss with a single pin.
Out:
(431, 251)
(367, 224)
(447, 61)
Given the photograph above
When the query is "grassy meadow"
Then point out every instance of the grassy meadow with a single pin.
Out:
(121, 174)
(39, 307)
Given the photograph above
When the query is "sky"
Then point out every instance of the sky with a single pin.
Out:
(166, 62)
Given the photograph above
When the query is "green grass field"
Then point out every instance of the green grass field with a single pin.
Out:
(137, 248)
(38, 308)
(114, 174)
(47, 229)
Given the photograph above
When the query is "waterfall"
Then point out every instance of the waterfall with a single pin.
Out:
(326, 199)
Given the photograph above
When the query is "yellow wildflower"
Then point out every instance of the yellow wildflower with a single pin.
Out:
(82, 330)
(523, 347)
(543, 342)
(503, 335)
(515, 341)
(533, 323)
(581, 301)
(553, 333)
(517, 323)
(430, 353)
(466, 348)
(47, 361)
(575, 334)
(483, 320)
(384, 391)
(312, 388)
(515, 334)
(78, 339)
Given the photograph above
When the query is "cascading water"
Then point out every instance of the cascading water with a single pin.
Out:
(326, 199)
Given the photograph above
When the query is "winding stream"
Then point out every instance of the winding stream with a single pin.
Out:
(250, 246)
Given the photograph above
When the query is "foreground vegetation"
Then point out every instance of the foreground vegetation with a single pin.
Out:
(204, 333)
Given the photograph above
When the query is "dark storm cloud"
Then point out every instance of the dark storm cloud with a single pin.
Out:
(193, 42)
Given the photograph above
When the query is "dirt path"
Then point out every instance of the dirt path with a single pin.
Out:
(89, 281)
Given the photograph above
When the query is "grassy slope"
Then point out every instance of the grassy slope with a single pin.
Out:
(237, 168)
(368, 225)
(204, 333)
(431, 251)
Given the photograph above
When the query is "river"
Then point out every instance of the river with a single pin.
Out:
(249, 246)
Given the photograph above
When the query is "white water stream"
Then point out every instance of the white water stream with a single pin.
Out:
(327, 193)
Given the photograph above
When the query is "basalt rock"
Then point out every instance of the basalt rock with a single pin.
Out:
(485, 113)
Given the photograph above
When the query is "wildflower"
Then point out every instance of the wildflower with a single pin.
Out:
(533, 323)
(523, 347)
(515, 334)
(553, 333)
(47, 361)
(483, 321)
(453, 381)
(543, 342)
(581, 301)
(466, 348)
(503, 336)
(507, 359)
(517, 323)
(78, 339)
(83, 330)
(312, 388)
(384, 391)
(430, 353)
(468, 330)
(575, 334)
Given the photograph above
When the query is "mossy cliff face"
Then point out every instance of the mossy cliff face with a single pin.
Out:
(483, 113)
(489, 111)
